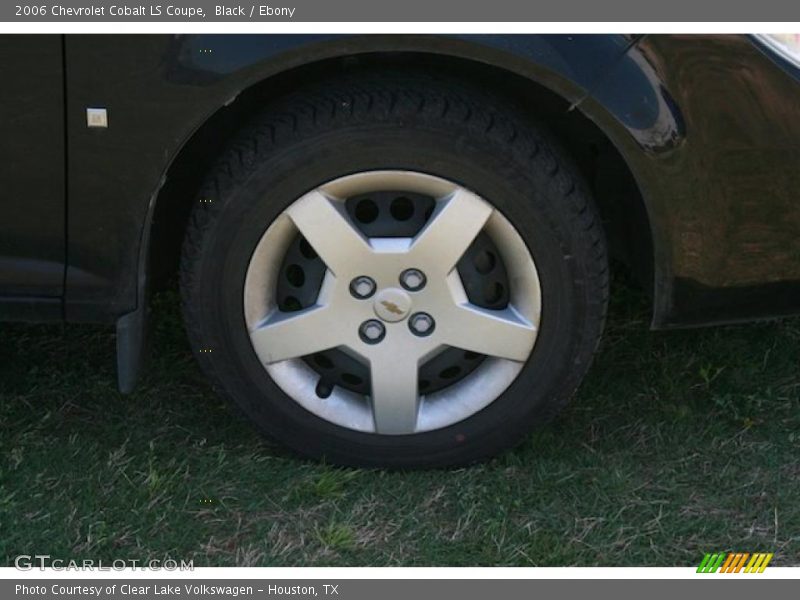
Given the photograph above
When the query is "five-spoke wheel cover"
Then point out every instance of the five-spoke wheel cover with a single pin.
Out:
(442, 346)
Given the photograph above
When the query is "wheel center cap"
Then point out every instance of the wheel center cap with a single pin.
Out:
(392, 304)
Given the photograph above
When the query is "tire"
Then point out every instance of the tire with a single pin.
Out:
(437, 131)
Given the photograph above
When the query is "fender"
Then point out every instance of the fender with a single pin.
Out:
(713, 141)
(170, 86)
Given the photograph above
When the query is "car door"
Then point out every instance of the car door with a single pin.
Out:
(32, 160)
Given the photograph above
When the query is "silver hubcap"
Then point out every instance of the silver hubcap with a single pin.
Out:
(429, 313)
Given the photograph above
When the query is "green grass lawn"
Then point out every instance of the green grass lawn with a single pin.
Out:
(678, 443)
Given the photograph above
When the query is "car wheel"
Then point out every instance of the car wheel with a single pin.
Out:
(394, 271)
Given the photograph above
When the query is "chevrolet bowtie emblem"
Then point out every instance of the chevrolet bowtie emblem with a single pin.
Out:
(392, 307)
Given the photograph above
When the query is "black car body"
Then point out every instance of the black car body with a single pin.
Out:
(690, 144)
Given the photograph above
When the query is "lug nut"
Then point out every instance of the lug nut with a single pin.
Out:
(413, 280)
(362, 287)
(372, 331)
(421, 324)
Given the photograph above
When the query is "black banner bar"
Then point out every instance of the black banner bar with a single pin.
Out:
(702, 588)
(408, 10)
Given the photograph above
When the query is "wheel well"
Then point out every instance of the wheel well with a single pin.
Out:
(610, 180)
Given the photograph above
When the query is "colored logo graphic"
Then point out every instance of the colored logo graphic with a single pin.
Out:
(734, 562)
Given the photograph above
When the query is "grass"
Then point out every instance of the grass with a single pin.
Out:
(678, 443)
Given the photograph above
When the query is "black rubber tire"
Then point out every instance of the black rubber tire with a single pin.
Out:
(397, 121)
